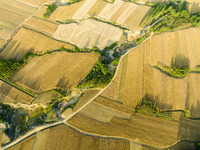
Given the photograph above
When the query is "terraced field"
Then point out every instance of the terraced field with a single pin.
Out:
(56, 70)
(125, 13)
(9, 93)
(89, 33)
(14, 13)
(28, 40)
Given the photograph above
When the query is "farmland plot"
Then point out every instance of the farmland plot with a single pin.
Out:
(35, 3)
(27, 40)
(56, 70)
(89, 33)
(14, 13)
(9, 93)
(46, 27)
(168, 45)
(1, 42)
(141, 128)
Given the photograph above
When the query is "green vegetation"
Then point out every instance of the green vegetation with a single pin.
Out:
(50, 9)
(74, 1)
(115, 62)
(140, 39)
(151, 109)
(176, 72)
(187, 113)
(98, 77)
(169, 16)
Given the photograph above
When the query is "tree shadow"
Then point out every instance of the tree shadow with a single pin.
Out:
(180, 61)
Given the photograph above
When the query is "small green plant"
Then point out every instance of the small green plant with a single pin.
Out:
(187, 113)
(74, 1)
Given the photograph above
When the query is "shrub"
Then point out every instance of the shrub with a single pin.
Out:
(115, 62)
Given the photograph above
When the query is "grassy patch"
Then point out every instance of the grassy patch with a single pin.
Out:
(98, 77)
(115, 62)
(187, 113)
(151, 109)
(74, 1)
(176, 72)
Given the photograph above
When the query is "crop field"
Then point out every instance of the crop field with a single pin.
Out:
(14, 13)
(38, 24)
(35, 3)
(89, 33)
(63, 13)
(9, 93)
(27, 40)
(63, 137)
(56, 70)
(168, 45)
(1, 42)
(142, 128)
(25, 144)
(126, 13)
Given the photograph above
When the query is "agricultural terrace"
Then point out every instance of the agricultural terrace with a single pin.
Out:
(28, 40)
(63, 137)
(125, 13)
(14, 13)
(56, 70)
(137, 80)
(35, 3)
(9, 93)
(140, 128)
(89, 33)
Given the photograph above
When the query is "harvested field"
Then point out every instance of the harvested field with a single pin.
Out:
(56, 70)
(27, 40)
(88, 94)
(89, 33)
(62, 137)
(168, 45)
(140, 81)
(102, 113)
(40, 12)
(38, 24)
(81, 13)
(97, 8)
(1, 42)
(63, 13)
(126, 13)
(25, 144)
(9, 93)
(141, 128)
(35, 3)
(14, 13)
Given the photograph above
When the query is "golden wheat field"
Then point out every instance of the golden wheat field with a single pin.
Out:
(44, 26)
(9, 93)
(28, 40)
(89, 33)
(56, 70)
(14, 13)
